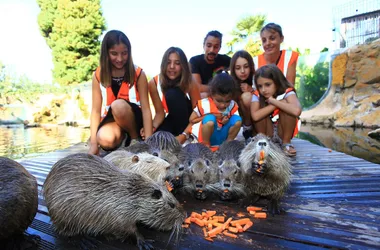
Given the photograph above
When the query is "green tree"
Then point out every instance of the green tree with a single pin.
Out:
(72, 29)
(244, 31)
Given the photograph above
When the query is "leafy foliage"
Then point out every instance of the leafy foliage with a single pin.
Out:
(71, 29)
(311, 83)
(244, 31)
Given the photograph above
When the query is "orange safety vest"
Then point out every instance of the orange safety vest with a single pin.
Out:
(287, 58)
(126, 93)
(161, 94)
(207, 106)
(275, 115)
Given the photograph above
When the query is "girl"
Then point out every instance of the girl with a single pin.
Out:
(275, 106)
(218, 113)
(242, 71)
(170, 92)
(286, 60)
(121, 88)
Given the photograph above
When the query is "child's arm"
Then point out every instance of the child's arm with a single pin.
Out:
(95, 115)
(258, 113)
(159, 109)
(290, 105)
(142, 85)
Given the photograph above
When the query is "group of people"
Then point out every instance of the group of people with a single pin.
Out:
(257, 94)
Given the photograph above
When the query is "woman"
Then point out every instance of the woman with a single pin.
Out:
(174, 93)
(286, 60)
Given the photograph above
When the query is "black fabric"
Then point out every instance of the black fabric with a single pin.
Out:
(206, 71)
(116, 84)
(180, 109)
(136, 111)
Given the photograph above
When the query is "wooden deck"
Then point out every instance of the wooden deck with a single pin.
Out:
(333, 202)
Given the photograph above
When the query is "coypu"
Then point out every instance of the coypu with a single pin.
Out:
(163, 140)
(141, 163)
(86, 195)
(175, 173)
(266, 170)
(18, 200)
(230, 185)
(200, 172)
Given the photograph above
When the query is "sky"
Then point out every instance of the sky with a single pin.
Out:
(153, 26)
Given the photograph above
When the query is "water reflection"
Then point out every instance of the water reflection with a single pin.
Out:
(355, 142)
(17, 142)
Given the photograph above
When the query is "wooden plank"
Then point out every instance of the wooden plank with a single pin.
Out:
(333, 202)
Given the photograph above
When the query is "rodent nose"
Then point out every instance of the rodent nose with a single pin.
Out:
(199, 186)
(262, 144)
(227, 184)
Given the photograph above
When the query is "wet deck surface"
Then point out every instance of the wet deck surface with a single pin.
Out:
(333, 202)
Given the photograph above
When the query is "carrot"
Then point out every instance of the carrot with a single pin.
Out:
(209, 226)
(199, 222)
(230, 234)
(252, 212)
(252, 208)
(248, 225)
(240, 215)
(187, 220)
(219, 218)
(241, 222)
(185, 225)
(262, 155)
(217, 224)
(211, 213)
(204, 215)
(233, 230)
(192, 219)
(196, 215)
(204, 232)
(209, 239)
(215, 231)
(239, 228)
(227, 223)
(168, 186)
(260, 215)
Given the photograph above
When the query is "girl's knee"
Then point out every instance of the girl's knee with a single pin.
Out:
(120, 107)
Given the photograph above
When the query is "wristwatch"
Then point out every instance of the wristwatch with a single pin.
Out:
(186, 135)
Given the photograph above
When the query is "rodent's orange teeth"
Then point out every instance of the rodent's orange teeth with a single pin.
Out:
(226, 190)
(177, 178)
(200, 190)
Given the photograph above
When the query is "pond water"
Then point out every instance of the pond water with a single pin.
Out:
(17, 142)
(355, 142)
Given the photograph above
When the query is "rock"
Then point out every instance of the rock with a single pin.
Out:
(375, 134)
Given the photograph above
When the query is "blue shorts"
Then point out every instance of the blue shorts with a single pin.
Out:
(221, 134)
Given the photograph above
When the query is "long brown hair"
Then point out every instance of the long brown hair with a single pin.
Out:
(243, 54)
(185, 80)
(112, 38)
(271, 71)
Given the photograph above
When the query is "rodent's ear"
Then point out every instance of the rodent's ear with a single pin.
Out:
(156, 194)
(135, 159)
(238, 164)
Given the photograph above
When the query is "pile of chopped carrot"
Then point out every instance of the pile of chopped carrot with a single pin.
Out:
(213, 225)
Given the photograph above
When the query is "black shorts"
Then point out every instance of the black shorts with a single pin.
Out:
(136, 111)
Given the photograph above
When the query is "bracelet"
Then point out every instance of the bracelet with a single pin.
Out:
(186, 135)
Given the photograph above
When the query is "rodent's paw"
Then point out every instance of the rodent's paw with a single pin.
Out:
(259, 168)
(200, 195)
(225, 196)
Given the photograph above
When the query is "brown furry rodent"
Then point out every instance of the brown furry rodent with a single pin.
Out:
(231, 184)
(200, 171)
(163, 140)
(266, 170)
(158, 146)
(141, 163)
(18, 198)
(86, 195)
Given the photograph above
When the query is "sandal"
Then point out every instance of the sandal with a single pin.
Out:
(289, 150)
